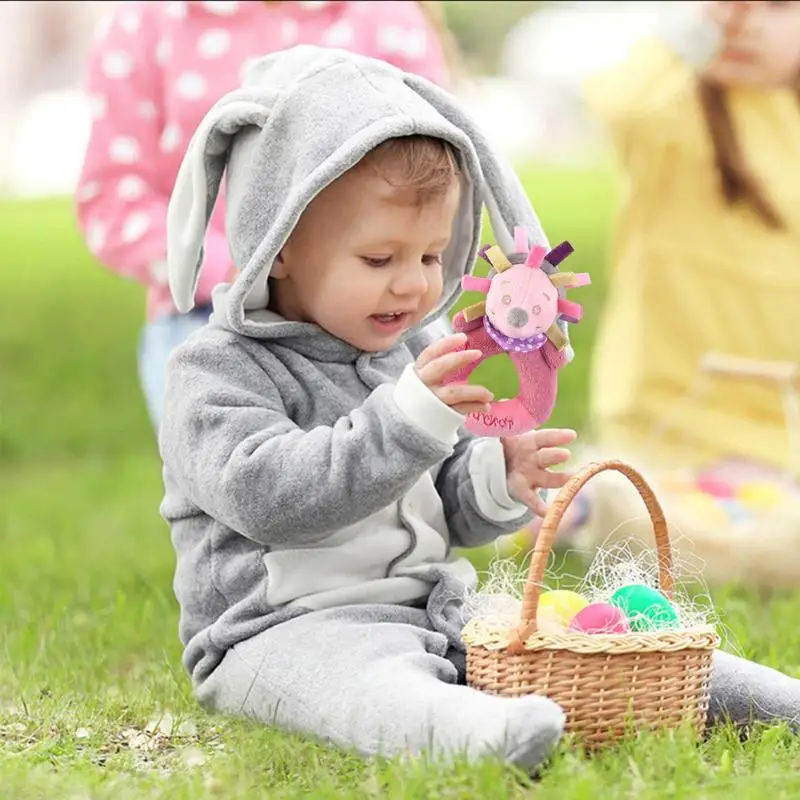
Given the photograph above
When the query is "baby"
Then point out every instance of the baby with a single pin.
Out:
(317, 475)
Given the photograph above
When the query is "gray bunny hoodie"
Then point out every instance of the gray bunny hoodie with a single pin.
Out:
(300, 473)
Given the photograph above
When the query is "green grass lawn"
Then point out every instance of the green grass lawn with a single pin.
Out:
(93, 699)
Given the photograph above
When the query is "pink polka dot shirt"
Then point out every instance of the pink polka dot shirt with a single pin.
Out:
(154, 70)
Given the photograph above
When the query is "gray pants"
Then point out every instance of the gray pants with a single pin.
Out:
(384, 681)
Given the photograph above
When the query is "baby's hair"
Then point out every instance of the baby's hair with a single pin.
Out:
(424, 164)
(737, 182)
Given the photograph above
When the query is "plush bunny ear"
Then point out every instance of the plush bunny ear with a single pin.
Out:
(197, 188)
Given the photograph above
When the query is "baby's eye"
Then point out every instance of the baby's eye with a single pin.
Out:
(506, 299)
(428, 260)
(376, 261)
(537, 310)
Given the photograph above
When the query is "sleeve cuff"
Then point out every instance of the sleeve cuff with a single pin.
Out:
(690, 35)
(487, 469)
(425, 409)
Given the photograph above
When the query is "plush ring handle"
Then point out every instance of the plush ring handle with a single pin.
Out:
(538, 384)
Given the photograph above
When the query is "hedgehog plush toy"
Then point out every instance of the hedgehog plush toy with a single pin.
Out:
(520, 317)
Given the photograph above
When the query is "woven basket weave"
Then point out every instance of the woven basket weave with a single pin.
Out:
(607, 684)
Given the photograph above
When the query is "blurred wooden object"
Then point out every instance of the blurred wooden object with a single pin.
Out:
(723, 365)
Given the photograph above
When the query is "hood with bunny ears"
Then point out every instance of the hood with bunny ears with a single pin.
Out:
(302, 118)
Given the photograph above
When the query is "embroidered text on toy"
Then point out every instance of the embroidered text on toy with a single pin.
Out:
(520, 316)
(504, 423)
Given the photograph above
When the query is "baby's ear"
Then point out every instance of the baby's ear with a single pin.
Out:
(279, 269)
(197, 187)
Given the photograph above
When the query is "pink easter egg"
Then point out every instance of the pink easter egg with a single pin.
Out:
(716, 487)
(600, 618)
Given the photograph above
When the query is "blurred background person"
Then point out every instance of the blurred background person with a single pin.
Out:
(154, 70)
(42, 46)
(696, 359)
(706, 256)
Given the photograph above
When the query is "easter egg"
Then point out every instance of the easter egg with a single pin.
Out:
(646, 608)
(760, 495)
(557, 609)
(600, 618)
(736, 511)
(716, 487)
(515, 543)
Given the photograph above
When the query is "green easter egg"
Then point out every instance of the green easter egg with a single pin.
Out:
(646, 609)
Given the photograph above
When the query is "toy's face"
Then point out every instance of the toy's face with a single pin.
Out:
(522, 302)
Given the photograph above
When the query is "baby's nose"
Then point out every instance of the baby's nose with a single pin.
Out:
(518, 317)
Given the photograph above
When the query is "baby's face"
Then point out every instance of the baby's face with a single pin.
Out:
(365, 260)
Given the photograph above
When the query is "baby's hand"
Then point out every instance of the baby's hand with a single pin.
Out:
(445, 358)
(528, 459)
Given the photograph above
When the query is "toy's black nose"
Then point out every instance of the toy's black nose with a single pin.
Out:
(518, 317)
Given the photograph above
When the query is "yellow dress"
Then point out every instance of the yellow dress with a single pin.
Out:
(689, 274)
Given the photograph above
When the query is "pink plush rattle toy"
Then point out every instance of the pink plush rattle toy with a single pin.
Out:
(520, 317)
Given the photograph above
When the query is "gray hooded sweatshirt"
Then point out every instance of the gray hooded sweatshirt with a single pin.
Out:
(322, 488)
(300, 473)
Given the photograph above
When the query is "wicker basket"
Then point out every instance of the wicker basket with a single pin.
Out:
(608, 684)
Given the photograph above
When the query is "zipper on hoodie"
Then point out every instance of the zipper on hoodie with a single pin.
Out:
(412, 536)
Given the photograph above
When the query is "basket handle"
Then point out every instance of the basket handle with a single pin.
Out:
(549, 528)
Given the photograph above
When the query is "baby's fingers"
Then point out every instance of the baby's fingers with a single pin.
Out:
(552, 456)
(437, 371)
(536, 504)
(554, 437)
(552, 480)
(457, 395)
(448, 344)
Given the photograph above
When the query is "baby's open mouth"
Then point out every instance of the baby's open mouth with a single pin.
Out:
(388, 317)
(389, 322)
